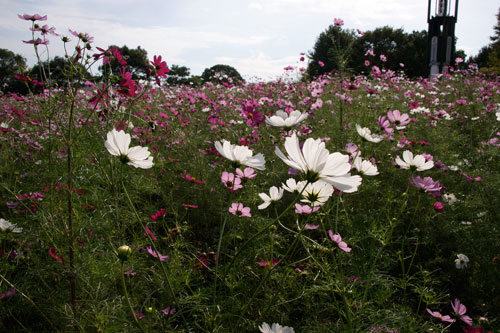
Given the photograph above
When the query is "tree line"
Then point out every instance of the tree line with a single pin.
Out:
(336, 49)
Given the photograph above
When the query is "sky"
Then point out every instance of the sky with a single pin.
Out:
(257, 37)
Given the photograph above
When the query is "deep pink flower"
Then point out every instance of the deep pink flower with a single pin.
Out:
(337, 239)
(160, 68)
(159, 214)
(361, 33)
(139, 315)
(192, 179)
(440, 316)
(460, 311)
(33, 18)
(267, 264)
(189, 206)
(438, 206)
(156, 254)
(251, 114)
(127, 85)
(54, 255)
(150, 233)
(321, 63)
(239, 210)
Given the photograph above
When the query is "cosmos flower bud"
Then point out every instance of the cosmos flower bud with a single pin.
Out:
(124, 252)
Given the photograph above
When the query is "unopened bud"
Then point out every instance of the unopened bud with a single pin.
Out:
(124, 252)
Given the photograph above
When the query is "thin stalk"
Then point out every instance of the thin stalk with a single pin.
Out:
(124, 285)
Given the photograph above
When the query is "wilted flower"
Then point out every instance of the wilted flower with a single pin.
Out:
(283, 119)
(275, 328)
(274, 195)
(315, 162)
(240, 155)
(461, 261)
(118, 145)
(409, 162)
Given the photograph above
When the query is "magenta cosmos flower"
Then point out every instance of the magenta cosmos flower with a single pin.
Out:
(239, 210)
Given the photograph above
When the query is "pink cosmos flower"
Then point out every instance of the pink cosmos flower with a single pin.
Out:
(438, 206)
(246, 173)
(367, 63)
(8, 293)
(230, 181)
(398, 119)
(385, 125)
(337, 239)
(189, 206)
(440, 316)
(305, 209)
(127, 85)
(45, 30)
(85, 37)
(139, 315)
(361, 33)
(239, 210)
(160, 68)
(168, 311)
(54, 255)
(383, 58)
(321, 63)
(427, 184)
(150, 233)
(311, 226)
(267, 264)
(159, 214)
(33, 18)
(192, 179)
(156, 254)
(338, 22)
(37, 41)
(460, 311)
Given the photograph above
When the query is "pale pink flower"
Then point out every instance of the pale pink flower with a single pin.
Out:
(337, 239)
(460, 311)
(33, 18)
(246, 173)
(338, 22)
(230, 181)
(440, 316)
(156, 254)
(305, 209)
(239, 210)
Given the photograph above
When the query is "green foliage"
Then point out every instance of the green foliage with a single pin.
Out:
(494, 54)
(178, 75)
(221, 73)
(11, 64)
(59, 71)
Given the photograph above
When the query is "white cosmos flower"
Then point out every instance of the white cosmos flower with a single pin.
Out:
(366, 134)
(461, 261)
(275, 328)
(274, 195)
(118, 145)
(283, 119)
(365, 167)
(315, 162)
(7, 226)
(240, 154)
(291, 185)
(409, 161)
(317, 193)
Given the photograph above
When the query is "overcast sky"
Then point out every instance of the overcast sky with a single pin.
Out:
(257, 37)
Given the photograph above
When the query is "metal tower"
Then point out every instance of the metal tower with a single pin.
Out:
(441, 35)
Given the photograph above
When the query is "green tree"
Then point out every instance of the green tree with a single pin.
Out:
(332, 51)
(11, 64)
(221, 73)
(61, 70)
(481, 59)
(178, 75)
(494, 54)
(137, 62)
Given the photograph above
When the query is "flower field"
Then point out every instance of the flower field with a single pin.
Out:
(344, 204)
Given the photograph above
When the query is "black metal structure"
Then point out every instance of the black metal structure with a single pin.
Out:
(441, 34)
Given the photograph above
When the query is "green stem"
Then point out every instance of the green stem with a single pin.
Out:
(128, 298)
